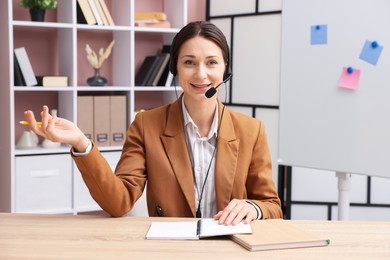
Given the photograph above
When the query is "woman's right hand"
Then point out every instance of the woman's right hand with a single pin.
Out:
(57, 129)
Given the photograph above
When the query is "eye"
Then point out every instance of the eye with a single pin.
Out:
(212, 62)
(189, 62)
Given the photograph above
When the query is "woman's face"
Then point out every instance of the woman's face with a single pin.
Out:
(200, 66)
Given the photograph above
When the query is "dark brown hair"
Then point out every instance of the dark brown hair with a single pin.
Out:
(199, 28)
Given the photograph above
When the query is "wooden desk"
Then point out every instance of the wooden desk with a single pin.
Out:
(27, 236)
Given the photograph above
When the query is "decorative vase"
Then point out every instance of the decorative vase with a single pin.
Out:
(37, 15)
(97, 80)
(27, 140)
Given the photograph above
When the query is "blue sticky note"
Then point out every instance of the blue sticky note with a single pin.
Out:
(319, 34)
(371, 52)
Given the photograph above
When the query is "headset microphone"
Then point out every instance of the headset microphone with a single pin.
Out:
(211, 92)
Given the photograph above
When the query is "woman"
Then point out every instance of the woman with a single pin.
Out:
(199, 159)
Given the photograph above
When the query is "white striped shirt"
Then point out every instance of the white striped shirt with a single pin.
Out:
(201, 151)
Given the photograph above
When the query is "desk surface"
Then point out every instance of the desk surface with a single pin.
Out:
(28, 236)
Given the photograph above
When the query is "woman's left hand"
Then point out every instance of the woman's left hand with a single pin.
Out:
(235, 212)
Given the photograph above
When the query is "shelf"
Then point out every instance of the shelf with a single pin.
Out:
(156, 88)
(103, 27)
(105, 88)
(40, 88)
(156, 30)
(41, 24)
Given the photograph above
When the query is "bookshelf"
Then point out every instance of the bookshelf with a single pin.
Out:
(45, 180)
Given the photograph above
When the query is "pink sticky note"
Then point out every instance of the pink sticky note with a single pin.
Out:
(349, 80)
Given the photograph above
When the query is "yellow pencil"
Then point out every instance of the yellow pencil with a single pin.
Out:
(27, 123)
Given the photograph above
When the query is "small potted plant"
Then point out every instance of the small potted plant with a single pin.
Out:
(38, 8)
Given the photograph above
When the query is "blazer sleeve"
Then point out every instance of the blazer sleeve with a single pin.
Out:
(260, 185)
(116, 193)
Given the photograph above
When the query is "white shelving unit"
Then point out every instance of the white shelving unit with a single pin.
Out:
(45, 180)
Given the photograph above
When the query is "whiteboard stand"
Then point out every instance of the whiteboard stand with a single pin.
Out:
(344, 185)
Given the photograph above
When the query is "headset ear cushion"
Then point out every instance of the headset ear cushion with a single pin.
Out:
(228, 72)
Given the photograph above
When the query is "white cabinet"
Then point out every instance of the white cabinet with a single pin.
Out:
(43, 183)
(57, 47)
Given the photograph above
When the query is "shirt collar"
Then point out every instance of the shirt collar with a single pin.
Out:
(188, 120)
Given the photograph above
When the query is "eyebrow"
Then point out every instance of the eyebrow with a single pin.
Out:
(193, 56)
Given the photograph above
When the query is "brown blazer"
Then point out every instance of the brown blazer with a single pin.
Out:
(155, 152)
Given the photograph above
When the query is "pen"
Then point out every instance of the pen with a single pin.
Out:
(27, 123)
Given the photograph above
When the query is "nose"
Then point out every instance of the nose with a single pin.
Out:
(201, 71)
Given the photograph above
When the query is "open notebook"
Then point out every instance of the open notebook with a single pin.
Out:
(193, 230)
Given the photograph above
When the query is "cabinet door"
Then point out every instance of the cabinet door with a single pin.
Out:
(140, 208)
(43, 184)
(82, 198)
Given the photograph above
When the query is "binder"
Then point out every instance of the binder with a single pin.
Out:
(117, 120)
(101, 120)
(85, 115)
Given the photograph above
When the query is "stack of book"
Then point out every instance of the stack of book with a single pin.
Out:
(154, 70)
(93, 12)
(151, 19)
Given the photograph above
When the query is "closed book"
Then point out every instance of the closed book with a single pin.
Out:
(117, 120)
(25, 66)
(278, 234)
(164, 76)
(101, 12)
(146, 70)
(52, 81)
(107, 13)
(164, 61)
(152, 23)
(85, 115)
(18, 76)
(150, 16)
(84, 13)
(95, 12)
(101, 120)
(155, 71)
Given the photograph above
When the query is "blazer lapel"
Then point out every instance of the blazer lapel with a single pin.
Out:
(226, 159)
(175, 147)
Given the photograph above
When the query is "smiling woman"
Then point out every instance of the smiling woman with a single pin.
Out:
(196, 156)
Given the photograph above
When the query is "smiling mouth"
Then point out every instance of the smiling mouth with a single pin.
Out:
(200, 86)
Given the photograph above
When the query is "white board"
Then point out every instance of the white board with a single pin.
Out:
(322, 125)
